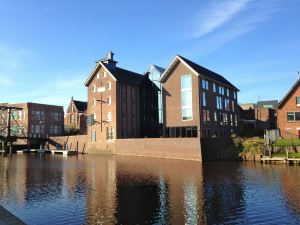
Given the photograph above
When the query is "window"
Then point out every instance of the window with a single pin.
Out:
(72, 119)
(214, 87)
(109, 116)
(227, 92)
(94, 102)
(298, 100)
(109, 133)
(42, 115)
(233, 106)
(227, 106)
(109, 100)
(104, 74)
(186, 97)
(215, 117)
(225, 119)
(93, 136)
(206, 116)
(204, 84)
(234, 95)
(94, 88)
(235, 120)
(231, 120)
(98, 75)
(219, 102)
(109, 85)
(293, 116)
(203, 99)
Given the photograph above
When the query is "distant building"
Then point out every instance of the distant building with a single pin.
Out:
(198, 102)
(289, 112)
(118, 100)
(271, 104)
(76, 116)
(254, 121)
(247, 106)
(155, 73)
(36, 120)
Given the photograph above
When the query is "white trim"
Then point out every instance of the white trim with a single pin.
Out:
(177, 57)
(94, 70)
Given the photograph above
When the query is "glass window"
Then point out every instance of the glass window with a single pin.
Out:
(204, 84)
(108, 85)
(104, 74)
(297, 116)
(290, 116)
(109, 116)
(186, 97)
(186, 82)
(203, 99)
(298, 100)
(187, 114)
(94, 88)
(214, 87)
(93, 136)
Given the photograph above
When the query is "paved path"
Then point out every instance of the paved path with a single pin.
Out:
(7, 218)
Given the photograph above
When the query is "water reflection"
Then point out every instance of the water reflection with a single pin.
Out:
(91, 189)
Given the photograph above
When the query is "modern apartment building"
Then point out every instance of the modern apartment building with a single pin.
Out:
(36, 120)
(117, 102)
(288, 112)
(76, 116)
(197, 101)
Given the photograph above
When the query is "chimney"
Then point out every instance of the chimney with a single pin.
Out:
(109, 60)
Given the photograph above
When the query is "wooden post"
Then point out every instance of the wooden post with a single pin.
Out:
(77, 146)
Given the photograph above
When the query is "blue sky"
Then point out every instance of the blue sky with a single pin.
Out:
(48, 48)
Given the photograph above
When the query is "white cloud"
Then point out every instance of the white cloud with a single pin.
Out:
(217, 14)
(254, 13)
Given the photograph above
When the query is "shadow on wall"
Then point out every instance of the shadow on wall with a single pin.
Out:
(220, 149)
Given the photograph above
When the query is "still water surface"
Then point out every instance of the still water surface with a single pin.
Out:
(90, 189)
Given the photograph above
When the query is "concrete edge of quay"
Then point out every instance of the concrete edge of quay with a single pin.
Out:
(7, 218)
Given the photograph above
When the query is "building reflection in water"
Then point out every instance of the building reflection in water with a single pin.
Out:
(223, 191)
(119, 190)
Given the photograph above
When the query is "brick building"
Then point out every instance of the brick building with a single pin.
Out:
(76, 116)
(121, 103)
(197, 101)
(36, 120)
(255, 118)
(288, 112)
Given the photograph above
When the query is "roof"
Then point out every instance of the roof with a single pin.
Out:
(81, 106)
(119, 74)
(126, 76)
(288, 94)
(267, 104)
(200, 70)
(160, 69)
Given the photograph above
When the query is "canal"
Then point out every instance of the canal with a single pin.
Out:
(88, 189)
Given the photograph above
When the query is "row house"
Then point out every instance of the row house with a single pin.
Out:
(36, 120)
(120, 102)
(76, 116)
(288, 113)
(197, 101)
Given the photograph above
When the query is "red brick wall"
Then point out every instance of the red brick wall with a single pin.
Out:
(71, 141)
(172, 96)
(289, 106)
(176, 148)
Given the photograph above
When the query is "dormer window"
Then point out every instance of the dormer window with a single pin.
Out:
(298, 101)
